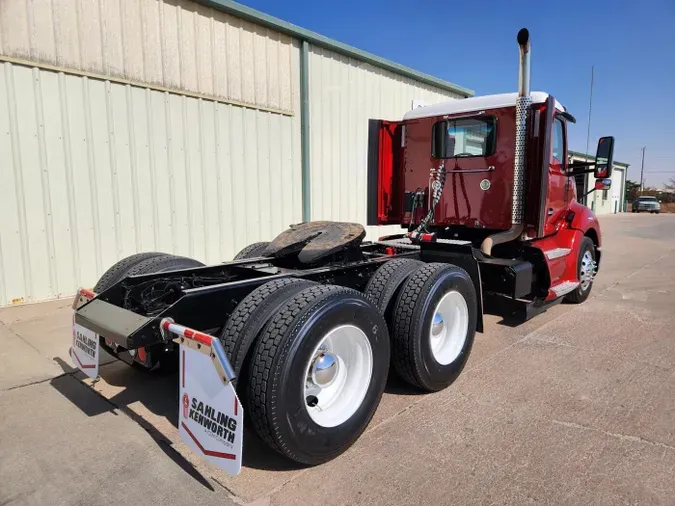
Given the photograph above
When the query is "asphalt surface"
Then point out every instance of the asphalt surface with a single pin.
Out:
(576, 406)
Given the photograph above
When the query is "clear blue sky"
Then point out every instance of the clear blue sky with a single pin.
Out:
(631, 44)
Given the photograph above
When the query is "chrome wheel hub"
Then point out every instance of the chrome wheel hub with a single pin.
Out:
(587, 271)
(437, 325)
(324, 369)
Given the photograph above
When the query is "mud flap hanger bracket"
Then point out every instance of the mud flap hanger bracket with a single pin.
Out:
(204, 343)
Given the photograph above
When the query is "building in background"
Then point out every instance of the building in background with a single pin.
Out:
(166, 125)
(601, 201)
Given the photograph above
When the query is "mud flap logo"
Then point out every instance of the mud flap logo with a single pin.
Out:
(186, 405)
(84, 350)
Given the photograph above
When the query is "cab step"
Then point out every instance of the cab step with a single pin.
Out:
(564, 288)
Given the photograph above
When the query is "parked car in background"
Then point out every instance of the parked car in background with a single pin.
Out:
(647, 204)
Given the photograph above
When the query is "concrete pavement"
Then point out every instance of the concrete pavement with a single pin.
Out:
(573, 407)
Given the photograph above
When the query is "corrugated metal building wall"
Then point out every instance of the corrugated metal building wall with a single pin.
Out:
(165, 125)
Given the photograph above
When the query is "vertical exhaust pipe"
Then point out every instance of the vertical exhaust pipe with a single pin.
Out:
(523, 103)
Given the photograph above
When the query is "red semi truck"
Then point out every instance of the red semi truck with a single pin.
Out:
(301, 332)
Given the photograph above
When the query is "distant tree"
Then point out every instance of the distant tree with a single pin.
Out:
(632, 190)
(670, 185)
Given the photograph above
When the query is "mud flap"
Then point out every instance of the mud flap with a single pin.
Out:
(210, 416)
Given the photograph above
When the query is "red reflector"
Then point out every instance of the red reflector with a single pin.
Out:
(427, 237)
(389, 250)
(142, 355)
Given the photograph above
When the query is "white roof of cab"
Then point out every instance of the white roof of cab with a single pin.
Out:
(475, 104)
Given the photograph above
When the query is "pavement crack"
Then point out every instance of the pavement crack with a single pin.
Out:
(617, 435)
(9, 329)
(36, 382)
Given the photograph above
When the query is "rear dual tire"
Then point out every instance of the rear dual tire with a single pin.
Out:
(294, 407)
(433, 326)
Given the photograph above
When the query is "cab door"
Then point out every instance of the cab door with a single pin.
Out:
(385, 173)
(557, 191)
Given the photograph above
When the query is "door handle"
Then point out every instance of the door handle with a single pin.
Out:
(550, 211)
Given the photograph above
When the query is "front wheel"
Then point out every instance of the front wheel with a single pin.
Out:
(318, 373)
(586, 268)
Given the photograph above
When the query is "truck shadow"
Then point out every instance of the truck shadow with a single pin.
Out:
(93, 403)
(150, 398)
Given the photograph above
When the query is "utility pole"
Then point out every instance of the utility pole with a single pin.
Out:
(590, 104)
(642, 170)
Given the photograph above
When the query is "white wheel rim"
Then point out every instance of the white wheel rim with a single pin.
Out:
(449, 326)
(344, 388)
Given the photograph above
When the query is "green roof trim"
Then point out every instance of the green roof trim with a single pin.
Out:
(260, 18)
(588, 157)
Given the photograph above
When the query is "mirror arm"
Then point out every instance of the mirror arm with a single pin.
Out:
(578, 165)
(588, 192)
(575, 170)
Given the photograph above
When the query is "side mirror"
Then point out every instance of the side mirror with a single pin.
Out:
(604, 157)
(439, 139)
(603, 184)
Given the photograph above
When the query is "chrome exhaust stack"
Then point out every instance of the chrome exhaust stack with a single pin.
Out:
(523, 103)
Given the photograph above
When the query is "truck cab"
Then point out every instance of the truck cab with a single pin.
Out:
(493, 170)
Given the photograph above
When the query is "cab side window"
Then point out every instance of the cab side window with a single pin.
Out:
(558, 141)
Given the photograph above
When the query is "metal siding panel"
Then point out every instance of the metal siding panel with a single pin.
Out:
(264, 187)
(219, 58)
(250, 188)
(152, 43)
(238, 168)
(29, 195)
(221, 126)
(180, 196)
(247, 63)
(160, 166)
(141, 180)
(288, 68)
(81, 195)
(272, 61)
(100, 167)
(210, 182)
(63, 259)
(121, 161)
(89, 21)
(132, 39)
(171, 62)
(14, 28)
(293, 171)
(233, 71)
(66, 35)
(13, 261)
(112, 38)
(260, 65)
(42, 31)
(275, 176)
(203, 44)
